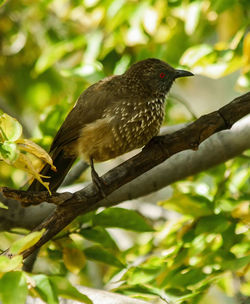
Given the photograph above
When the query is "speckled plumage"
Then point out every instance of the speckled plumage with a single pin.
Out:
(113, 116)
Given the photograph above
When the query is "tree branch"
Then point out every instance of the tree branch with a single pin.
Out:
(217, 149)
(157, 151)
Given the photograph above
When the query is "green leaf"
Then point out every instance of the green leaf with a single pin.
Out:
(45, 289)
(122, 65)
(9, 264)
(141, 275)
(56, 52)
(2, 2)
(236, 264)
(191, 277)
(122, 218)
(65, 289)
(26, 242)
(10, 128)
(94, 44)
(97, 253)
(8, 152)
(13, 288)
(193, 54)
(178, 296)
(212, 224)
(53, 117)
(99, 235)
(212, 62)
(221, 5)
(188, 204)
(145, 289)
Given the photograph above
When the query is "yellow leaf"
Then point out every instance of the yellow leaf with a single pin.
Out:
(242, 212)
(8, 264)
(24, 163)
(246, 52)
(39, 152)
(74, 259)
(26, 242)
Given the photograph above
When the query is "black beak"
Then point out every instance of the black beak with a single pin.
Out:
(182, 73)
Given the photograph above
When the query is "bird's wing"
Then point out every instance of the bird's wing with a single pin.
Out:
(89, 107)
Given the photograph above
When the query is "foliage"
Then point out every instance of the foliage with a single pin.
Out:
(12, 148)
(50, 51)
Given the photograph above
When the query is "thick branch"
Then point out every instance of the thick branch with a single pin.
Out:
(156, 152)
(217, 149)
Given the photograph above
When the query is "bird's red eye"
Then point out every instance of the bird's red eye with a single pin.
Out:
(162, 75)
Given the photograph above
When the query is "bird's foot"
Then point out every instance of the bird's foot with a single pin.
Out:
(97, 181)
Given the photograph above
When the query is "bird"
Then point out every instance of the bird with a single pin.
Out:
(115, 115)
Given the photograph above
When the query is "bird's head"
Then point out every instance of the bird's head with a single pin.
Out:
(155, 75)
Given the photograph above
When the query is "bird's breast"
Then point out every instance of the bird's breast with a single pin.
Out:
(135, 124)
(123, 128)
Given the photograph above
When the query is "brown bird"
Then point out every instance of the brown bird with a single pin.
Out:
(113, 116)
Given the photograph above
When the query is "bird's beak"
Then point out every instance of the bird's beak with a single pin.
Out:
(182, 73)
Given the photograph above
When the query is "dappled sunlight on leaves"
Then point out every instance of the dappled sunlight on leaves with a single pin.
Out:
(198, 242)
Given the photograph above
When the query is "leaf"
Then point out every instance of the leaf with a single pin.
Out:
(242, 212)
(192, 16)
(10, 264)
(90, 72)
(144, 289)
(185, 203)
(53, 117)
(221, 5)
(10, 128)
(178, 296)
(2, 2)
(236, 264)
(56, 51)
(13, 288)
(3, 206)
(122, 65)
(24, 163)
(8, 152)
(45, 289)
(26, 242)
(212, 224)
(97, 253)
(142, 275)
(93, 47)
(99, 235)
(122, 218)
(74, 259)
(64, 288)
(39, 152)
(191, 277)
(246, 52)
(193, 54)
(210, 62)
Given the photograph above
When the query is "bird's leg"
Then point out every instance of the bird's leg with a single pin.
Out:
(96, 179)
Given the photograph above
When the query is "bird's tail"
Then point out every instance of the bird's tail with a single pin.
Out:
(62, 164)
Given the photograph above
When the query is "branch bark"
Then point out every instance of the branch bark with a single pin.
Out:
(217, 149)
(157, 151)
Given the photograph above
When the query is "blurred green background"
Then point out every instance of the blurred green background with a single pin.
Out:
(51, 50)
